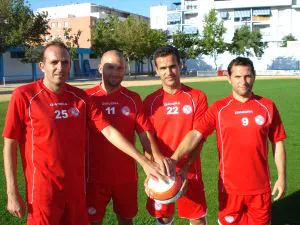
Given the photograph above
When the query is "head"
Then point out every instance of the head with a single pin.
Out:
(168, 66)
(112, 68)
(241, 76)
(55, 64)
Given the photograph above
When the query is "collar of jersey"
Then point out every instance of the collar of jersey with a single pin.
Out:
(49, 91)
(251, 98)
(110, 94)
(177, 92)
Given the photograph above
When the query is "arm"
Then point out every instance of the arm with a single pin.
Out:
(167, 165)
(118, 140)
(15, 203)
(280, 161)
(192, 157)
(188, 144)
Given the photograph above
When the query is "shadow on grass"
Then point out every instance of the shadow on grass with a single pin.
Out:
(287, 210)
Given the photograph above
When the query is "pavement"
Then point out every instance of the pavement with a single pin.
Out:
(84, 83)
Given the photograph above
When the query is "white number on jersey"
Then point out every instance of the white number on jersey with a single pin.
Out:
(172, 110)
(245, 121)
(111, 110)
(61, 114)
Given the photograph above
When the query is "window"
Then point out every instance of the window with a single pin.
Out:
(54, 25)
(174, 18)
(58, 24)
(262, 12)
(242, 15)
(66, 24)
(224, 15)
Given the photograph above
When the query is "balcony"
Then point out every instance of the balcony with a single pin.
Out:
(190, 30)
(174, 18)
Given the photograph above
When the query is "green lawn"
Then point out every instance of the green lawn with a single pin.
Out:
(285, 93)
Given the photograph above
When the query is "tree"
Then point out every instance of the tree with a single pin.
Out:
(20, 26)
(155, 39)
(104, 35)
(212, 41)
(287, 38)
(247, 43)
(72, 41)
(187, 45)
(133, 37)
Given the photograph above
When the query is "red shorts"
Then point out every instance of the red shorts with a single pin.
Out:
(191, 206)
(244, 209)
(58, 212)
(124, 197)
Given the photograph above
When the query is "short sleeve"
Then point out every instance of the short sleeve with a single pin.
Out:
(15, 117)
(142, 122)
(276, 132)
(201, 107)
(207, 124)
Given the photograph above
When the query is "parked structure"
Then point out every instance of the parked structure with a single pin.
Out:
(274, 18)
(77, 17)
(80, 17)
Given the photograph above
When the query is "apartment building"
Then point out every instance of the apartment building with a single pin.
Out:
(80, 17)
(274, 18)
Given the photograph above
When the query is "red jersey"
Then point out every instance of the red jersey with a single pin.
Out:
(173, 116)
(124, 110)
(51, 131)
(242, 131)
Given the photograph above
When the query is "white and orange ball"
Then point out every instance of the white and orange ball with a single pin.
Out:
(165, 192)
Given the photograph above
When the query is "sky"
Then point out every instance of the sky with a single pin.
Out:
(141, 7)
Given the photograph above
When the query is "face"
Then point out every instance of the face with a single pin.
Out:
(56, 67)
(168, 69)
(112, 68)
(241, 81)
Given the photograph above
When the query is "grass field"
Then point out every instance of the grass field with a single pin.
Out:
(285, 93)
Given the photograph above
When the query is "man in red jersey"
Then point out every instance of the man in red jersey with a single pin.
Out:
(173, 110)
(48, 120)
(243, 122)
(124, 110)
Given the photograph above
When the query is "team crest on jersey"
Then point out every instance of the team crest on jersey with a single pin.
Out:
(125, 110)
(229, 219)
(92, 211)
(260, 120)
(157, 205)
(73, 112)
(187, 109)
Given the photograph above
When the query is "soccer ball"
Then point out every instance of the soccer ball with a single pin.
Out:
(165, 192)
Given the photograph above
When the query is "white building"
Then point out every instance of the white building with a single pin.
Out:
(274, 18)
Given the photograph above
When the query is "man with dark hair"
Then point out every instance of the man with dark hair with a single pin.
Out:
(241, 61)
(173, 110)
(243, 122)
(112, 175)
(48, 120)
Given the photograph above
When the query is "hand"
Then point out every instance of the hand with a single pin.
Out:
(184, 186)
(15, 205)
(279, 187)
(153, 169)
(167, 165)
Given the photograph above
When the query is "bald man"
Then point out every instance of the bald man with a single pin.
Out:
(123, 109)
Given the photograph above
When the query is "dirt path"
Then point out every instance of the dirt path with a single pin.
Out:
(5, 91)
